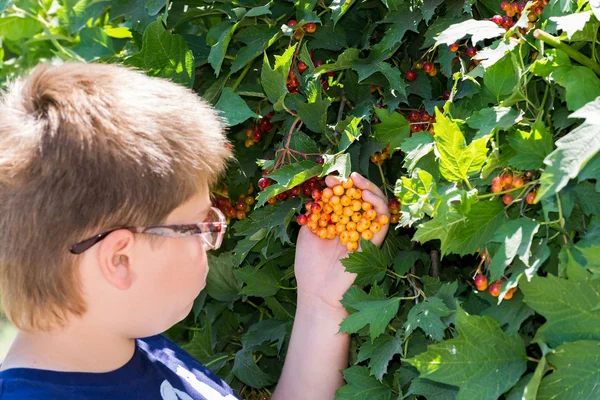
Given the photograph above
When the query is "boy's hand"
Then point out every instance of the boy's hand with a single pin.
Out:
(319, 272)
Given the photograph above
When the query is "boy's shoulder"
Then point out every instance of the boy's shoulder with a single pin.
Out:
(159, 369)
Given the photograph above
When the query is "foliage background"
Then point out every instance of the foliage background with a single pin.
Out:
(529, 106)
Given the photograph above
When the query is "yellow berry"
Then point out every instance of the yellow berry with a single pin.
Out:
(354, 236)
(351, 226)
(356, 217)
(366, 206)
(383, 219)
(375, 227)
(348, 211)
(348, 183)
(367, 235)
(345, 201)
(338, 190)
(352, 246)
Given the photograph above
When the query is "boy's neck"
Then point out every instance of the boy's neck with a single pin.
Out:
(74, 349)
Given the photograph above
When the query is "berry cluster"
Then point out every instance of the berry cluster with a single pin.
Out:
(309, 27)
(307, 188)
(255, 134)
(514, 10)
(292, 82)
(242, 206)
(341, 211)
(394, 207)
(506, 181)
(379, 157)
(481, 282)
(421, 121)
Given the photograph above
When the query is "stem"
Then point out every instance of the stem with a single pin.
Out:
(382, 178)
(571, 52)
(435, 263)
(242, 76)
(487, 196)
(341, 109)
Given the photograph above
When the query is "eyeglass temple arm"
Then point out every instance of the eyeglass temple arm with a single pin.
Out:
(86, 244)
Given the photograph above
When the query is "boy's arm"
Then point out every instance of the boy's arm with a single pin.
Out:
(317, 352)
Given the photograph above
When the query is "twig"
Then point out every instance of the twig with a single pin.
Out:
(435, 263)
(571, 52)
(341, 109)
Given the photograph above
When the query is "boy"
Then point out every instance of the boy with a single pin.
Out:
(105, 220)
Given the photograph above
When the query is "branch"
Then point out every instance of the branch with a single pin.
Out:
(435, 263)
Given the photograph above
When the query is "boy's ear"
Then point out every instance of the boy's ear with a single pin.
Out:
(115, 257)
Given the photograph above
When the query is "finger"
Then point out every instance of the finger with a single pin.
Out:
(364, 184)
(332, 180)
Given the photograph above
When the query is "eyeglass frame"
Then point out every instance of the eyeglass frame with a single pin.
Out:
(178, 231)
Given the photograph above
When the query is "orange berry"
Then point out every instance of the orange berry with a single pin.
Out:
(327, 209)
(344, 219)
(325, 217)
(367, 235)
(339, 228)
(356, 205)
(308, 205)
(352, 246)
(331, 230)
(358, 194)
(348, 211)
(481, 282)
(334, 200)
(314, 217)
(366, 206)
(338, 190)
(338, 209)
(356, 217)
(345, 200)
(370, 215)
(354, 236)
(383, 219)
(330, 235)
(351, 193)
(347, 184)
(345, 236)
(375, 227)
(351, 226)
(510, 293)
(313, 225)
(394, 219)
(327, 193)
(322, 223)
(335, 218)
(495, 288)
(360, 228)
(530, 198)
(322, 233)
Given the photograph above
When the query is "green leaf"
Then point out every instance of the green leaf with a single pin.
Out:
(339, 162)
(393, 129)
(257, 39)
(501, 79)
(415, 148)
(287, 177)
(428, 9)
(329, 37)
(344, 61)
(350, 131)
(405, 260)
(432, 390)
(369, 263)
(572, 23)
(201, 346)
(471, 360)
(457, 160)
(576, 374)
(375, 313)
(479, 227)
(258, 11)
(510, 314)
(233, 108)
(403, 20)
(360, 385)
(415, 195)
(380, 351)
(273, 80)
(94, 44)
(588, 198)
(221, 283)
(515, 238)
(477, 30)
(581, 83)
(17, 28)
(531, 147)
(246, 370)
(219, 49)
(397, 84)
(492, 54)
(314, 114)
(136, 11)
(339, 8)
(268, 330)
(165, 55)
(490, 119)
(572, 152)
(263, 282)
(426, 315)
(567, 306)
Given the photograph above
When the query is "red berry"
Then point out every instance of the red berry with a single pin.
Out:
(331, 73)
(302, 66)
(530, 198)
(505, 5)
(497, 19)
(497, 181)
(510, 293)
(411, 75)
(495, 288)
(424, 116)
(310, 27)
(446, 95)
(481, 282)
(379, 105)
(263, 183)
(282, 196)
(496, 188)
(240, 214)
(414, 116)
(538, 11)
(507, 180)
(520, 7)
(292, 22)
(256, 136)
(230, 212)
(507, 199)
(433, 72)
(428, 66)
(471, 51)
(324, 84)
(394, 203)
(295, 192)
(315, 208)
(302, 219)
(320, 160)
(316, 194)
(518, 182)
(453, 47)
(318, 63)
(265, 125)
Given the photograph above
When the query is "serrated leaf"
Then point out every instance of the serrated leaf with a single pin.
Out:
(470, 361)
(415, 194)
(531, 147)
(588, 198)
(572, 152)
(165, 55)
(426, 315)
(233, 108)
(420, 86)
(380, 352)
(457, 160)
(492, 54)
(287, 177)
(201, 346)
(416, 147)
(393, 129)
(515, 238)
(477, 30)
(360, 385)
(344, 61)
(219, 49)
(576, 374)
(397, 84)
(314, 114)
(263, 282)
(566, 305)
(479, 227)
(268, 330)
(428, 9)
(510, 314)
(403, 20)
(221, 283)
(273, 80)
(247, 371)
(369, 263)
(339, 8)
(329, 37)
(572, 23)
(582, 85)
(489, 119)
(337, 163)
(405, 260)
(375, 313)
(432, 390)
(135, 10)
(257, 39)
(501, 79)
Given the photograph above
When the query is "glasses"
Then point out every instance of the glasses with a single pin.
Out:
(211, 231)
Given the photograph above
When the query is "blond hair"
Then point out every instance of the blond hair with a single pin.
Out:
(85, 148)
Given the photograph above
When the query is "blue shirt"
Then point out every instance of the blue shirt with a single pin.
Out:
(158, 370)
